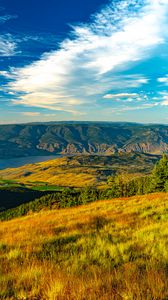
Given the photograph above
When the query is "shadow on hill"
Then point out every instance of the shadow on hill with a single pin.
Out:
(12, 197)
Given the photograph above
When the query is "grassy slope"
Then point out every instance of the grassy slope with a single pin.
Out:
(81, 171)
(106, 250)
(54, 171)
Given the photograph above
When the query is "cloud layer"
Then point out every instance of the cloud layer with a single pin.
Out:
(90, 65)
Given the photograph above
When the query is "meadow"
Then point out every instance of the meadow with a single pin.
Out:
(81, 170)
(111, 249)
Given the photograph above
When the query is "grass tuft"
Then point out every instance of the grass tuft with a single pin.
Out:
(105, 250)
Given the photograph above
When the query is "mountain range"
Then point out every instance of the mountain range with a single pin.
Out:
(81, 138)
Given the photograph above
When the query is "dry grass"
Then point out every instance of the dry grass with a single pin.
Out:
(58, 171)
(106, 250)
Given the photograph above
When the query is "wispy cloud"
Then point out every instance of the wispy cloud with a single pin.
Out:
(163, 80)
(6, 18)
(164, 98)
(31, 114)
(121, 95)
(87, 64)
(144, 106)
(8, 46)
(165, 102)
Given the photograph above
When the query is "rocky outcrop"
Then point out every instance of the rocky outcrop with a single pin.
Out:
(84, 138)
(155, 148)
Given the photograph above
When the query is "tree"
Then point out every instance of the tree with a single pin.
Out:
(160, 174)
(88, 194)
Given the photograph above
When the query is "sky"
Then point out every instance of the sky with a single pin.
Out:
(85, 60)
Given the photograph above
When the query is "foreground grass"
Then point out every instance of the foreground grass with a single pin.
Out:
(106, 250)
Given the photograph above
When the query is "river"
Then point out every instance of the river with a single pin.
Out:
(21, 161)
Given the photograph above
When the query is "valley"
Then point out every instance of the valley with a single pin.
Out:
(95, 220)
(81, 170)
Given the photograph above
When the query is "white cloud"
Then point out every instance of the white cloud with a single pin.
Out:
(162, 98)
(164, 101)
(85, 65)
(163, 80)
(6, 74)
(132, 108)
(144, 106)
(30, 114)
(8, 47)
(49, 101)
(121, 95)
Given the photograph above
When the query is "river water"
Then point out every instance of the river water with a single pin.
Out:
(21, 161)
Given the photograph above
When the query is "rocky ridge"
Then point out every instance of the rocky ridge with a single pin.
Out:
(82, 138)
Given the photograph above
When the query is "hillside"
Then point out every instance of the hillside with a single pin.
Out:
(113, 249)
(82, 170)
(73, 138)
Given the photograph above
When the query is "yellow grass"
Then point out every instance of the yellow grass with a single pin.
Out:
(58, 172)
(106, 250)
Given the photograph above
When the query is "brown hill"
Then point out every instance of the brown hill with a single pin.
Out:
(86, 137)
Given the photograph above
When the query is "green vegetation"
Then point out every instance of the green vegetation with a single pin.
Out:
(61, 199)
(160, 175)
(118, 186)
(123, 186)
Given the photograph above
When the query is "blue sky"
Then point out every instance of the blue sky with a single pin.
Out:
(84, 60)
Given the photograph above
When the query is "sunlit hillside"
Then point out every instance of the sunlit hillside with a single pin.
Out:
(83, 170)
(54, 171)
(114, 249)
